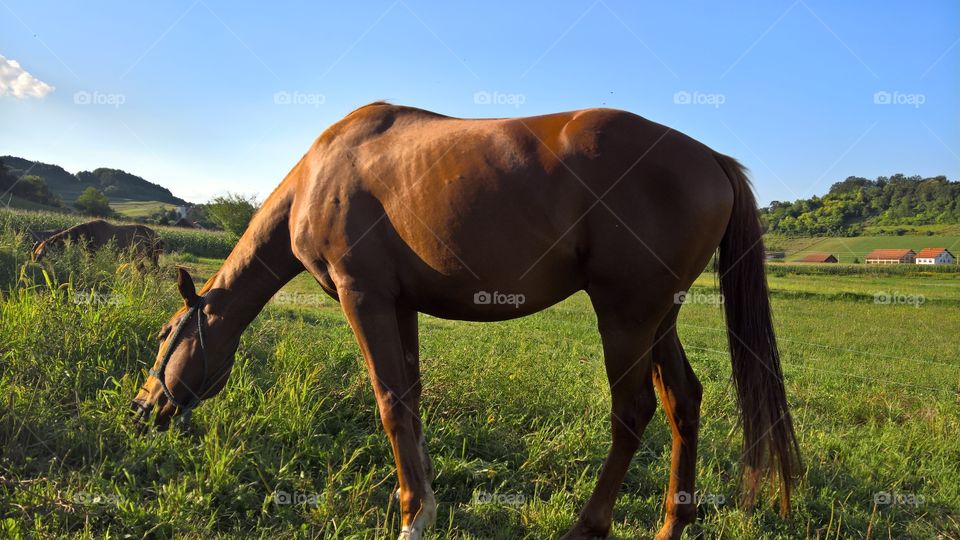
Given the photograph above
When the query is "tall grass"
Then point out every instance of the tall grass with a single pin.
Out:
(198, 242)
(862, 269)
(518, 410)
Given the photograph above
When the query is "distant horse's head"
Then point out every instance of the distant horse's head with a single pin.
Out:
(193, 363)
(40, 250)
(40, 239)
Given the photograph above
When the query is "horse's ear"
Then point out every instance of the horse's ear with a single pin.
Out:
(186, 287)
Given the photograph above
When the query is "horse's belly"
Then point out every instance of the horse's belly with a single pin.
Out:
(465, 297)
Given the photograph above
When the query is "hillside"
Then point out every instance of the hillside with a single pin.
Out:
(858, 203)
(850, 249)
(58, 180)
(121, 185)
(116, 184)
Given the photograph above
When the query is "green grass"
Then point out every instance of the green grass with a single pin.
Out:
(846, 249)
(138, 209)
(928, 230)
(19, 203)
(518, 408)
(199, 242)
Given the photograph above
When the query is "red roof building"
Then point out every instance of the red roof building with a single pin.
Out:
(891, 256)
(935, 256)
(819, 258)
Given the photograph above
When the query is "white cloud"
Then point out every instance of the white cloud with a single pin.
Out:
(14, 80)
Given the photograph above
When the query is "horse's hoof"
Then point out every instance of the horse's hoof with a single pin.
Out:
(583, 532)
(409, 534)
(671, 530)
(426, 517)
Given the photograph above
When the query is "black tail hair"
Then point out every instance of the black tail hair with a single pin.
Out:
(770, 443)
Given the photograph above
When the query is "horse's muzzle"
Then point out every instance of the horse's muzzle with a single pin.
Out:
(141, 414)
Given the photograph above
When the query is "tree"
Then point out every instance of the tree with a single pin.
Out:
(30, 187)
(35, 189)
(858, 202)
(6, 179)
(92, 201)
(232, 212)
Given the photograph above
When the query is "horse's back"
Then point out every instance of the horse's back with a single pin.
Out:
(541, 204)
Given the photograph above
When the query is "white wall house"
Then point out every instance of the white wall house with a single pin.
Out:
(935, 256)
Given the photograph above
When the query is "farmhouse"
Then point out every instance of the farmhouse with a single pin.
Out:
(891, 256)
(819, 258)
(185, 223)
(935, 256)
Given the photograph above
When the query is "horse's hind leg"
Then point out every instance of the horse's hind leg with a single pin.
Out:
(627, 341)
(680, 393)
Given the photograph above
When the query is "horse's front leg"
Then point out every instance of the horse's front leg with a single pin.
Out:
(373, 318)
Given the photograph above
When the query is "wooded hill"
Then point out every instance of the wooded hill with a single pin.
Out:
(116, 184)
(858, 202)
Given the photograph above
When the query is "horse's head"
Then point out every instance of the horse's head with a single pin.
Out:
(39, 250)
(193, 363)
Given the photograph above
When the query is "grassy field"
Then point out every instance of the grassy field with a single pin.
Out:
(515, 411)
(198, 242)
(138, 209)
(127, 209)
(19, 203)
(846, 249)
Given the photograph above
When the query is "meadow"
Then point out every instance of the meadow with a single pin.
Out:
(177, 239)
(850, 250)
(854, 249)
(517, 413)
(137, 209)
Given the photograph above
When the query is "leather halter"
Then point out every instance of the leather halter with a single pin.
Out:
(195, 308)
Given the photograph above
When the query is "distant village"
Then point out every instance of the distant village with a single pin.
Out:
(880, 256)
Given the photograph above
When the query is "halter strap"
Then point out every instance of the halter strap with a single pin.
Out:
(194, 400)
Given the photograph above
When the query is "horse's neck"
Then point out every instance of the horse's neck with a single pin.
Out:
(260, 263)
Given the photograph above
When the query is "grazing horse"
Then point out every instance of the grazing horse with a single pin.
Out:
(398, 211)
(40, 236)
(98, 233)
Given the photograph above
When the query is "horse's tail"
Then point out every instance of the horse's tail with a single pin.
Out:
(769, 440)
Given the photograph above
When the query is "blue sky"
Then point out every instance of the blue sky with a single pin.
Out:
(186, 93)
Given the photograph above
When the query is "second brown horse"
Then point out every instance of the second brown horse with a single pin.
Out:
(96, 234)
(398, 211)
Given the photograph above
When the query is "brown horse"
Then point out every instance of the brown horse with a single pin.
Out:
(98, 233)
(398, 211)
(40, 236)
